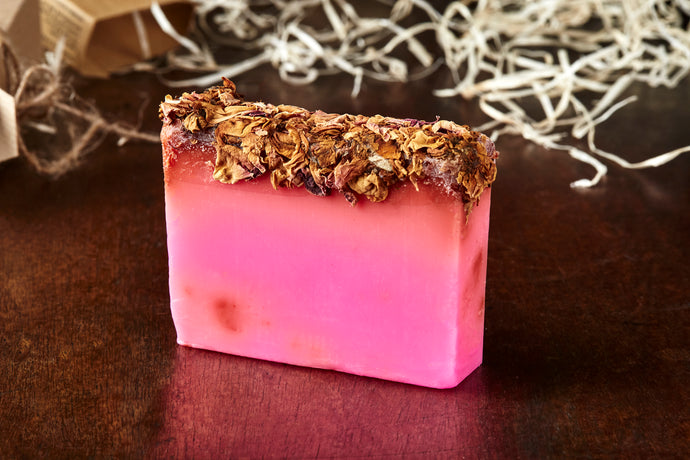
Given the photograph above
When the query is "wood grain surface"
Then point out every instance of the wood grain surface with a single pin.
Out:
(587, 309)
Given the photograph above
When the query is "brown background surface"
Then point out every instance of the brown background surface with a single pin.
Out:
(587, 310)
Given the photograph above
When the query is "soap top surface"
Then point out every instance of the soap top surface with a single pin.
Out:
(356, 155)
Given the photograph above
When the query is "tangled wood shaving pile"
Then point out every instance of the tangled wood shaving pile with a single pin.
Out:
(573, 60)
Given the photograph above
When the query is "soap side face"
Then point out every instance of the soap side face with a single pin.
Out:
(392, 290)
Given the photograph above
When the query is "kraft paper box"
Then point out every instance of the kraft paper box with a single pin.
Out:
(102, 37)
(19, 23)
(19, 29)
(8, 117)
(8, 128)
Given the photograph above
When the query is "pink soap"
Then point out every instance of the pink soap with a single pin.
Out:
(391, 289)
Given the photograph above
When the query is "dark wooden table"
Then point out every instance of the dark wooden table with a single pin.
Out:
(587, 310)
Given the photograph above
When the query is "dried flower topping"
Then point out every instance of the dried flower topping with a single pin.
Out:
(354, 154)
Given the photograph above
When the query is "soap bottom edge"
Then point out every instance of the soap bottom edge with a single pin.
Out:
(469, 365)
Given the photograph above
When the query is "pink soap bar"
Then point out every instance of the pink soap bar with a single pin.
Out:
(391, 289)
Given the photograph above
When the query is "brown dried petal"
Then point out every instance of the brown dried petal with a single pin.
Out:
(420, 141)
(194, 122)
(370, 185)
(345, 172)
(229, 171)
(388, 150)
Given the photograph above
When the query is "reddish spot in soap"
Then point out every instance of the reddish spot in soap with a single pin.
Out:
(480, 312)
(478, 263)
(227, 314)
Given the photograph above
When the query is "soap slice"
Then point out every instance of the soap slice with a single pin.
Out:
(391, 286)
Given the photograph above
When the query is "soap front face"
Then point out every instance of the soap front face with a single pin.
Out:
(392, 290)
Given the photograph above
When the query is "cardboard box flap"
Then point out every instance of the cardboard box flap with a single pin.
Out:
(104, 37)
(8, 128)
(19, 28)
(20, 24)
(99, 10)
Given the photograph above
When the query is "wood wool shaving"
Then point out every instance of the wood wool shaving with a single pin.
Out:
(559, 55)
